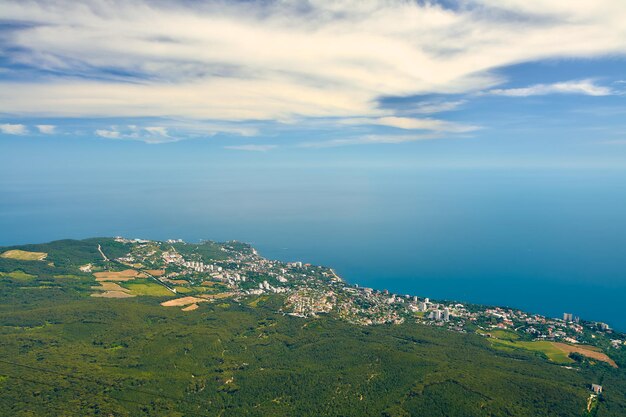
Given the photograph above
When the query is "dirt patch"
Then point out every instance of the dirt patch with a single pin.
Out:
(190, 307)
(23, 255)
(588, 351)
(182, 301)
(155, 272)
(126, 275)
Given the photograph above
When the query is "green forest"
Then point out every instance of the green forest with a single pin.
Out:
(64, 353)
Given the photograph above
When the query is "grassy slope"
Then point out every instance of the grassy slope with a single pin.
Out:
(547, 348)
(64, 353)
(23, 255)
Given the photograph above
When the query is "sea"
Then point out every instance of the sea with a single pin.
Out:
(545, 241)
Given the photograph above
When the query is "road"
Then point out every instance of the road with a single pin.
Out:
(102, 253)
(141, 270)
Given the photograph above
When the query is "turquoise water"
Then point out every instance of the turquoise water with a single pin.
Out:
(546, 241)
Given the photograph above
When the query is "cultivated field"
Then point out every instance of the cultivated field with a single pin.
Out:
(126, 275)
(148, 288)
(182, 301)
(111, 290)
(23, 255)
(547, 348)
(588, 351)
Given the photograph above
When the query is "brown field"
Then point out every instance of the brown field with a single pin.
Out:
(190, 307)
(155, 272)
(23, 255)
(208, 283)
(111, 290)
(588, 351)
(182, 301)
(109, 286)
(126, 275)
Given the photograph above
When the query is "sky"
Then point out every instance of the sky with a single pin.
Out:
(509, 81)
(474, 149)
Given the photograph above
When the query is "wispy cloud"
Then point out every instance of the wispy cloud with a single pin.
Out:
(213, 61)
(163, 134)
(369, 140)
(585, 87)
(409, 123)
(251, 147)
(13, 129)
(108, 133)
(431, 107)
(148, 134)
(46, 129)
(157, 131)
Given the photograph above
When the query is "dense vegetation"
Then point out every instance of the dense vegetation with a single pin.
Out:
(65, 353)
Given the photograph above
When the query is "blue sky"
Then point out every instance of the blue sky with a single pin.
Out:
(511, 81)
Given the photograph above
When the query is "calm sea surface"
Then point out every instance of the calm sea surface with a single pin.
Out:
(548, 242)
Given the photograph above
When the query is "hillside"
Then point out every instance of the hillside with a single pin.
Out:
(256, 344)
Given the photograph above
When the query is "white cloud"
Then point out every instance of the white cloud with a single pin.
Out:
(46, 129)
(410, 123)
(108, 134)
(161, 134)
(157, 131)
(586, 87)
(238, 61)
(251, 147)
(13, 129)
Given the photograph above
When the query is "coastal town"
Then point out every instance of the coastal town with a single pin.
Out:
(236, 270)
(197, 282)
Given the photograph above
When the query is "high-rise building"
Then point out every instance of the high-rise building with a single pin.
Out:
(446, 314)
(568, 317)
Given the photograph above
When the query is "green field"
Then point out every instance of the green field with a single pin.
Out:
(546, 348)
(68, 276)
(184, 290)
(18, 275)
(147, 287)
